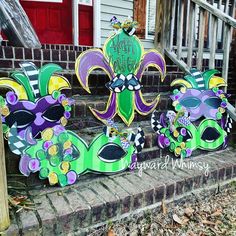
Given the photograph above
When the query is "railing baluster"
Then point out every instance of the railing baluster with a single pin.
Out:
(180, 28)
(201, 31)
(226, 47)
(191, 31)
(172, 24)
(213, 36)
(187, 21)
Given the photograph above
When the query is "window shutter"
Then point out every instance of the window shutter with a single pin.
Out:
(140, 17)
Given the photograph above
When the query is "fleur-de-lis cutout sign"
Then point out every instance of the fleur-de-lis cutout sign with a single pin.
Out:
(124, 60)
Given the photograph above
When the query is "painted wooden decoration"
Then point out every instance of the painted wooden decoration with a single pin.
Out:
(199, 122)
(34, 115)
(35, 100)
(124, 60)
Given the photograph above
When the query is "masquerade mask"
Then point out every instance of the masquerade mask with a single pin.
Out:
(35, 100)
(200, 95)
(61, 156)
(124, 60)
(182, 140)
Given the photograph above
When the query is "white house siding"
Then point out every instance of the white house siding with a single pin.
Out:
(122, 9)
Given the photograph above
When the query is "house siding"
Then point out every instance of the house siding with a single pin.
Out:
(121, 9)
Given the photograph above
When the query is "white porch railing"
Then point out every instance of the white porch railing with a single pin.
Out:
(190, 31)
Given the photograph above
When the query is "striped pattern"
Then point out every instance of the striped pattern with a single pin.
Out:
(139, 141)
(31, 71)
(229, 124)
(16, 144)
(130, 31)
(155, 122)
(198, 78)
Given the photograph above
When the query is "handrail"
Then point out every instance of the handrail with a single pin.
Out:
(216, 12)
(4, 212)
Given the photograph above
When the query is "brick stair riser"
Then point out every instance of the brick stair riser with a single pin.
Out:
(88, 204)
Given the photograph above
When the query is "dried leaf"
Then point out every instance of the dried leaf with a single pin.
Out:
(177, 219)
(164, 208)
(184, 220)
(207, 222)
(110, 233)
(192, 234)
(218, 212)
(188, 211)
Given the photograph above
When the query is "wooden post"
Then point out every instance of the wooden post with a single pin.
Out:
(4, 210)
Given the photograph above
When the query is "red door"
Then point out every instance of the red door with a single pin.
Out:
(52, 21)
(85, 25)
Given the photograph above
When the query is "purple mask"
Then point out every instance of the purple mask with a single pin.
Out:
(46, 112)
(200, 103)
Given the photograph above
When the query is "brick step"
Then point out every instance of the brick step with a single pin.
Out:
(97, 79)
(94, 203)
(82, 114)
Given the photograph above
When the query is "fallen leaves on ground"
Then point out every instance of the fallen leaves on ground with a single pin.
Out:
(20, 202)
(204, 214)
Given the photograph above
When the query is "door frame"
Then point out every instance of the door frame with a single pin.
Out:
(96, 22)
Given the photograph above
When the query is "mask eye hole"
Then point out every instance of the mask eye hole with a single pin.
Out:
(190, 102)
(23, 118)
(213, 102)
(111, 152)
(54, 113)
(210, 134)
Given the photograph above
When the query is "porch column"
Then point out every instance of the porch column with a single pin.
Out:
(97, 23)
(75, 13)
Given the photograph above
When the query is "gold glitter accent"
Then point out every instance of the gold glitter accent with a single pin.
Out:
(178, 151)
(183, 89)
(53, 150)
(67, 144)
(65, 103)
(175, 103)
(63, 121)
(53, 179)
(182, 145)
(47, 134)
(176, 133)
(5, 111)
(65, 167)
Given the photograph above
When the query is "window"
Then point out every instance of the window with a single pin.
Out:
(150, 19)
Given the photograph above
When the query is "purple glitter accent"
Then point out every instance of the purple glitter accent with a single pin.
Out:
(47, 144)
(188, 152)
(71, 177)
(58, 129)
(183, 131)
(34, 165)
(11, 98)
(61, 98)
(67, 114)
(167, 142)
(223, 104)
(68, 151)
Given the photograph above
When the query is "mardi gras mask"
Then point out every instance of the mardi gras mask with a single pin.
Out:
(200, 95)
(183, 139)
(35, 100)
(124, 60)
(61, 156)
